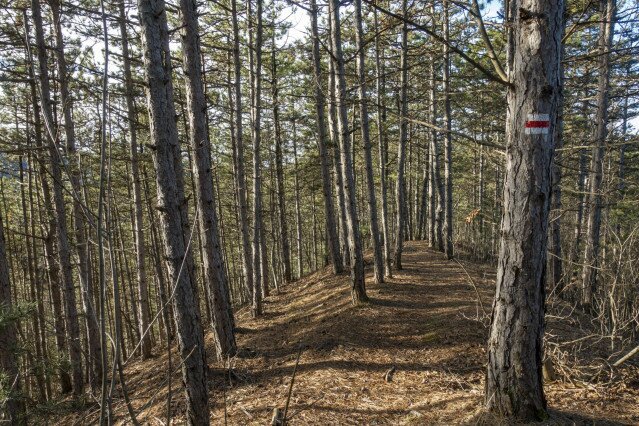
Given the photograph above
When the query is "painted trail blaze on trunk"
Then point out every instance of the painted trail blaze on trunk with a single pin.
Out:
(514, 387)
(538, 124)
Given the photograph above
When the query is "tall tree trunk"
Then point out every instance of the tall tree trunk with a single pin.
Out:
(279, 168)
(382, 142)
(62, 237)
(435, 183)
(514, 380)
(378, 259)
(238, 155)
(172, 205)
(322, 143)
(142, 304)
(14, 405)
(358, 289)
(591, 254)
(213, 262)
(448, 146)
(556, 260)
(298, 207)
(400, 187)
(256, 102)
(337, 162)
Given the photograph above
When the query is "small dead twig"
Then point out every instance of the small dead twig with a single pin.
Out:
(472, 283)
(290, 386)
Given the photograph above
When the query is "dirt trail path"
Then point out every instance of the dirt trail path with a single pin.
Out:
(424, 323)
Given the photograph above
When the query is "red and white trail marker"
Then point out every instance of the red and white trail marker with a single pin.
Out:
(537, 124)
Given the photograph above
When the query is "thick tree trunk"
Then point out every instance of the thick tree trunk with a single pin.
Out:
(322, 143)
(400, 187)
(142, 304)
(64, 252)
(378, 259)
(514, 379)
(591, 253)
(213, 262)
(172, 205)
(358, 289)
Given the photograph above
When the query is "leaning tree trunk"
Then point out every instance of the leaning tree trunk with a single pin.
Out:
(358, 289)
(514, 380)
(14, 404)
(591, 253)
(400, 188)
(213, 263)
(378, 260)
(138, 223)
(62, 235)
(172, 205)
(322, 143)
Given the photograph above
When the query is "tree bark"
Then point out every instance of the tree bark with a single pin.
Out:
(337, 162)
(358, 289)
(448, 144)
(238, 155)
(298, 207)
(172, 205)
(378, 259)
(256, 102)
(322, 143)
(213, 262)
(556, 261)
(382, 142)
(514, 376)
(279, 181)
(142, 304)
(400, 187)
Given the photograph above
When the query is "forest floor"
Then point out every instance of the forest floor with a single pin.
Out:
(425, 324)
